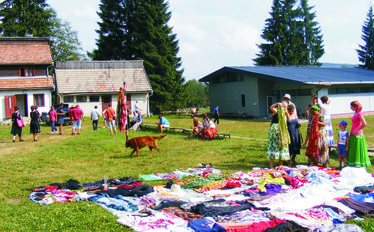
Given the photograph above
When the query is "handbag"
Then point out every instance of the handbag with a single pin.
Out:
(20, 122)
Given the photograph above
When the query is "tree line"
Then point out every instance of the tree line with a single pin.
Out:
(139, 30)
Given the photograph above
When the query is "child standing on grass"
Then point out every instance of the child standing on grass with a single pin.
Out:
(343, 140)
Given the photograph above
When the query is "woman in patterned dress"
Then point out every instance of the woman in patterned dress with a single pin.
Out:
(278, 138)
(317, 150)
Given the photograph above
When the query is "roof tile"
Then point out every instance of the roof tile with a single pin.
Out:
(27, 83)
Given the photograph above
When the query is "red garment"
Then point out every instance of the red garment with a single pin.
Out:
(77, 113)
(109, 113)
(253, 227)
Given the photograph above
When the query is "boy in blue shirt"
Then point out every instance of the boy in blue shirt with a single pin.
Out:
(343, 141)
(162, 123)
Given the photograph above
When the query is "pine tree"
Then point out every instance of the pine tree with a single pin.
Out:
(312, 36)
(291, 35)
(138, 30)
(366, 51)
(25, 17)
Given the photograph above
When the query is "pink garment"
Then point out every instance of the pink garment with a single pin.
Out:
(356, 123)
(77, 113)
(52, 115)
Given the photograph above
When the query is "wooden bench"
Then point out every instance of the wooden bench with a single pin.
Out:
(334, 146)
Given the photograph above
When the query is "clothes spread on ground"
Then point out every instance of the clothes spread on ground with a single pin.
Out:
(305, 198)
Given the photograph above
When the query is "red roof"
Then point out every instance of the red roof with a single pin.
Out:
(27, 83)
(24, 51)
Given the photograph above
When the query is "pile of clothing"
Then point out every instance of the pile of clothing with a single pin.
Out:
(305, 198)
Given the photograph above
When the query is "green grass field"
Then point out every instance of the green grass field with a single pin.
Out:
(93, 154)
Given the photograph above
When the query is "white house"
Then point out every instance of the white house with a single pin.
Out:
(24, 78)
(251, 90)
(97, 83)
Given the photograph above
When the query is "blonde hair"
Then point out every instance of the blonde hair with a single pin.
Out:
(195, 122)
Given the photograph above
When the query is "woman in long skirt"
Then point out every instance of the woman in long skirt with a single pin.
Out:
(317, 150)
(278, 138)
(325, 107)
(293, 130)
(358, 152)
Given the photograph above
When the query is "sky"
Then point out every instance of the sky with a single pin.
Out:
(217, 33)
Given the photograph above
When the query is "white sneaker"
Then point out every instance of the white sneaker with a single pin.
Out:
(52, 132)
(103, 127)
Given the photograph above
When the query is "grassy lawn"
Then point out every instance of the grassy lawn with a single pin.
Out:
(93, 154)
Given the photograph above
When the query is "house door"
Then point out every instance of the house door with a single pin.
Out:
(105, 101)
(128, 101)
(270, 100)
(10, 103)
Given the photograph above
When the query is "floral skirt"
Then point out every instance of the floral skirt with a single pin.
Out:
(274, 150)
(318, 151)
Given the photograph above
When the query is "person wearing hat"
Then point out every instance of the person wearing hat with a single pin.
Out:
(358, 152)
(317, 150)
(343, 140)
(309, 115)
(287, 98)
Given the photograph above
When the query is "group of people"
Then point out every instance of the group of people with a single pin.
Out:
(34, 123)
(284, 139)
(56, 116)
(207, 128)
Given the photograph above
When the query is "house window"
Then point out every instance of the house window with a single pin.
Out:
(243, 100)
(69, 99)
(26, 72)
(94, 98)
(39, 100)
(81, 99)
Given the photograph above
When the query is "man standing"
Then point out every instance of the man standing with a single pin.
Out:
(78, 117)
(60, 117)
(110, 114)
(136, 107)
(216, 116)
(95, 114)
(162, 123)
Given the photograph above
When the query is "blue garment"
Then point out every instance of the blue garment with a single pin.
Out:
(205, 225)
(164, 121)
(53, 126)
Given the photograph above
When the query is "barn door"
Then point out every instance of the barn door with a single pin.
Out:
(105, 100)
(10, 103)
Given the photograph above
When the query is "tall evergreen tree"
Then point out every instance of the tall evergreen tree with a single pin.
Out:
(25, 17)
(133, 29)
(366, 51)
(291, 35)
(312, 35)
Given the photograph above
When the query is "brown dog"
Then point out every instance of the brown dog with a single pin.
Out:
(137, 143)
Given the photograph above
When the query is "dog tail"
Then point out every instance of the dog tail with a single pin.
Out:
(159, 137)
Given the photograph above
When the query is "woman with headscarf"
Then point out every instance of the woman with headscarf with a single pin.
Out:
(278, 138)
(317, 150)
(358, 153)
